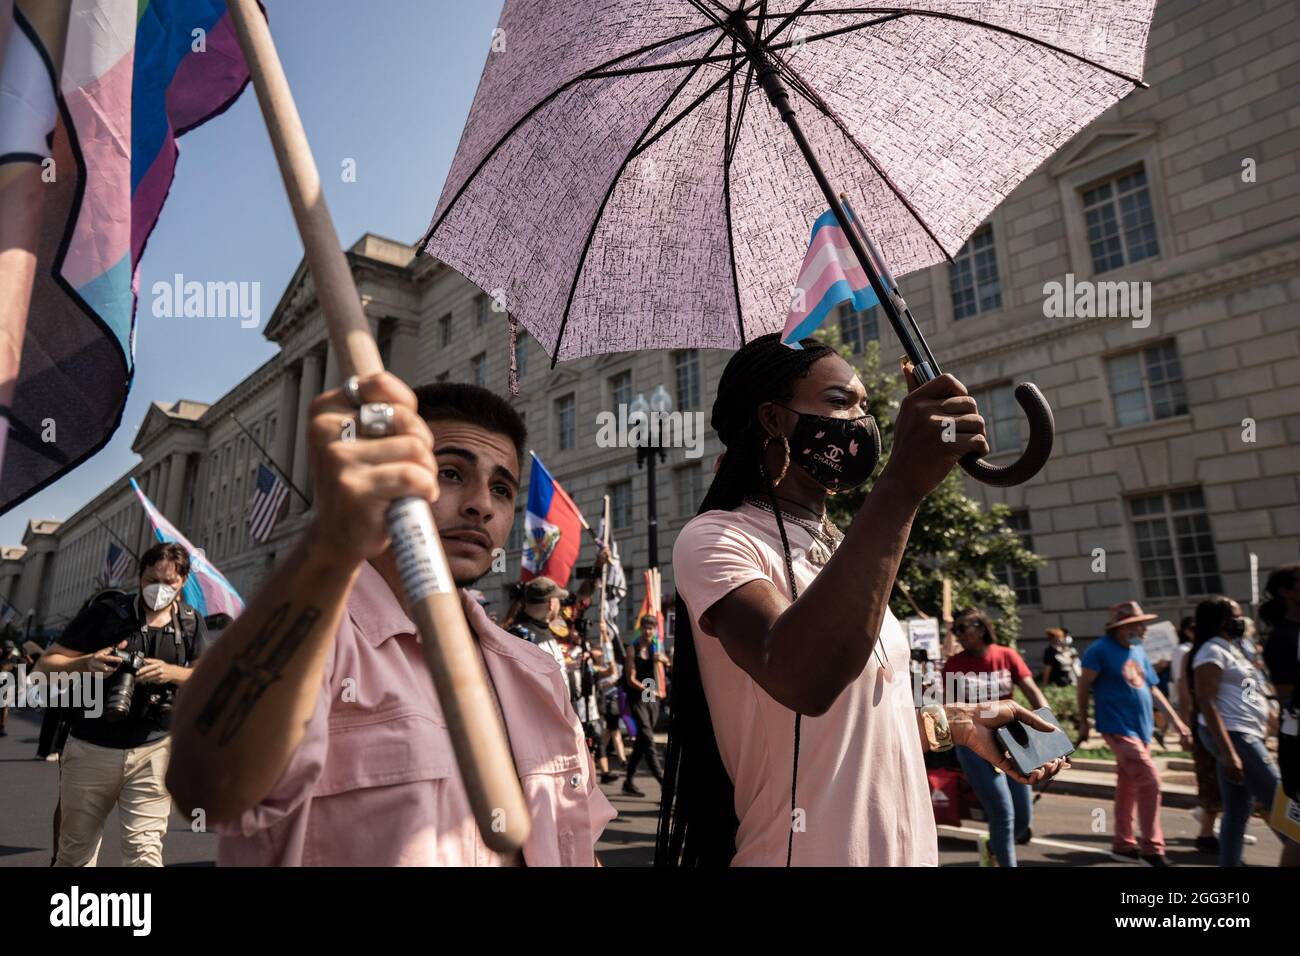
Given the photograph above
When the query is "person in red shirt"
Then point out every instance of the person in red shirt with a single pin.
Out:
(988, 671)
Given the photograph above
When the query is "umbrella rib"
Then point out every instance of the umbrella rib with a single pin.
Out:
(505, 137)
(726, 193)
(595, 223)
(642, 147)
(970, 21)
(816, 101)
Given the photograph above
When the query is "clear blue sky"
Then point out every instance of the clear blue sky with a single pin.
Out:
(385, 82)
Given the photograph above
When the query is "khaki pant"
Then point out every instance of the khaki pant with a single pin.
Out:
(92, 779)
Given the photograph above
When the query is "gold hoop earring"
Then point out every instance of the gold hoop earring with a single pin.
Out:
(784, 467)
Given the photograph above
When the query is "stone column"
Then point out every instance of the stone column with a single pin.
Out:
(286, 421)
(175, 488)
(308, 388)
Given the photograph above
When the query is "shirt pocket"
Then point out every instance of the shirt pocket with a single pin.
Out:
(383, 749)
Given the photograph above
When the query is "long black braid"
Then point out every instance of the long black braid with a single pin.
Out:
(697, 818)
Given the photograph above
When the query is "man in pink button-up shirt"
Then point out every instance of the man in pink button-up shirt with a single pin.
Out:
(311, 734)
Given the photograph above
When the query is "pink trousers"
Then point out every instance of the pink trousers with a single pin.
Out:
(1137, 783)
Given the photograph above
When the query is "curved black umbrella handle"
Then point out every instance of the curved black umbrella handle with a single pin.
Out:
(1042, 433)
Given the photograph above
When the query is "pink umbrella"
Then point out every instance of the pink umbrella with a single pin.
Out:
(619, 188)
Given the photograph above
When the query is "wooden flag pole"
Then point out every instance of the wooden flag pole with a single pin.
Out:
(486, 766)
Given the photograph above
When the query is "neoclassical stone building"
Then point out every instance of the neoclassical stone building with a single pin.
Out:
(1178, 446)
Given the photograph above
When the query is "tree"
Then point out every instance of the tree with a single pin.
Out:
(953, 536)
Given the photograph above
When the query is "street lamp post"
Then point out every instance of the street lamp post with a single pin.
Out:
(647, 450)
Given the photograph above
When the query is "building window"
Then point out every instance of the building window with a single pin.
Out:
(1024, 583)
(620, 389)
(620, 504)
(1121, 225)
(565, 415)
(478, 364)
(858, 328)
(687, 485)
(973, 277)
(1147, 385)
(481, 309)
(997, 406)
(444, 330)
(521, 354)
(1174, 545)
(687, 367)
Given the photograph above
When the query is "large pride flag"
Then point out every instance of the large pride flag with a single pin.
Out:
(830, 275)
(552, 528)
(206, 589)
(136, 75)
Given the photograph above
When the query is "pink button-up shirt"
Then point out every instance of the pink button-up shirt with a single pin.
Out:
(374, 780)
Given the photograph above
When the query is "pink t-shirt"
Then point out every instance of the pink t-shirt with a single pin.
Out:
(374, 780)
(862, 785)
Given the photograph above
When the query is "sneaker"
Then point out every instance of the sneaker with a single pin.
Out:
(986, 854)
(631, 790)
(1130, 855)
(608, 777)
(1249, 839)
(1026, 837)
(1209, 845)
(1154, 859)
(52, 758)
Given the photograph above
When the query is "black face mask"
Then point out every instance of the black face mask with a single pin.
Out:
(838, 453)
(1237, 627)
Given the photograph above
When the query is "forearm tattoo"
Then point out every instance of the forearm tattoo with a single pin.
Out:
(256, 668)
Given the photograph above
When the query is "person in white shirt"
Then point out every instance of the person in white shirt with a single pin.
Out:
(1234, 717)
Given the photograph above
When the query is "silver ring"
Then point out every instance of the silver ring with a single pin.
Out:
(352, 389)
(376, 419)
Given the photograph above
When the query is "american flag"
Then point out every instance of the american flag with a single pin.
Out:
(268, 499)
(119, 564)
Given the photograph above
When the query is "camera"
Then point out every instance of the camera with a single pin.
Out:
(121, 686)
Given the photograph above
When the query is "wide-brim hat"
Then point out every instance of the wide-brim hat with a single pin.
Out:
(1127, 612)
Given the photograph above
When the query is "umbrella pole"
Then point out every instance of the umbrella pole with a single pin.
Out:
(478, 738)
(1042, 427)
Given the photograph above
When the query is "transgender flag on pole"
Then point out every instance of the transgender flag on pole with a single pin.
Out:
(206, 589)
(830, 275)
(136, 75)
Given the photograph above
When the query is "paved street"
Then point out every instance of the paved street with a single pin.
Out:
(1062, 824)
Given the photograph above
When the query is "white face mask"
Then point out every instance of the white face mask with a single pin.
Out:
(158, 596)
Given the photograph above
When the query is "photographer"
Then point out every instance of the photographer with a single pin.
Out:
(145, 646)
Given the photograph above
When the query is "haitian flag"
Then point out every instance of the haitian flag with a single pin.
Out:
(552, 528)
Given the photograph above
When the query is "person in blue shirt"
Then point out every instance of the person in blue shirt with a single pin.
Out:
(1117, 671)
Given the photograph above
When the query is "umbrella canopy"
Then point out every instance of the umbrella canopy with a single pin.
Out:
(623, 184)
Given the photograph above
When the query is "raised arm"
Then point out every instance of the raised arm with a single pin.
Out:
(245, 709)
(806, 653)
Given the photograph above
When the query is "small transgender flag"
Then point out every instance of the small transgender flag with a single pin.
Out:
(206, 589)
(830, 275)
(119, 564)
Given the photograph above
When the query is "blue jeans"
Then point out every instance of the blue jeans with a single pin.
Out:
(1009, 805)
(1260, 776)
